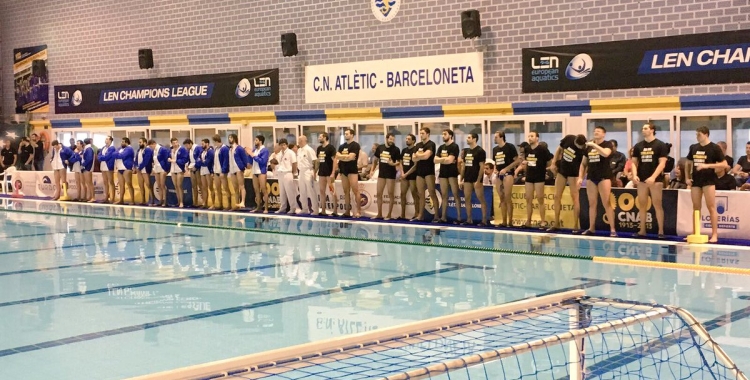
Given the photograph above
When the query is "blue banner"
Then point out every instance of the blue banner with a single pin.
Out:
(476, 210)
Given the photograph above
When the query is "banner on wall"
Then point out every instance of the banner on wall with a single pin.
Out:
(733, 221)
(442, 76)
(709, 58)
(31, 86)
(627, 216)
(518, 198)
(250, 88)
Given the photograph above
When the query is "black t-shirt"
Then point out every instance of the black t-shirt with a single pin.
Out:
(504, 156)
(386, 154)
(727, 182)
(599, 167)
(39, 151)
(427, 166)
(706, 154)
(570, 162)
(449, 170)
(7, 156)
(744, 164)
(536, 164)
(407, 162)
(730, 161)
(26, 152)
(349, 167)
(325, 160)
(473, 158)
(648, 155)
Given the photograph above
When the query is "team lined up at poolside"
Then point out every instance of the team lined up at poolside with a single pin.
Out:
(218, 173)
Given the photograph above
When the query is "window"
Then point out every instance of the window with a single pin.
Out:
(336, 135)
(436, 132)
(717, 125)
(740, 137)
(549, 132)
(180, 136)
(662, 127)
(462, 130)
(617, 129)
(290, 134)
(514, 133)
(81, 136)
(134, 136)
(204, 133)
(267, 133)
(117, 137)
(400, 132)
(370, 134)
(99, 139)
(161, 136)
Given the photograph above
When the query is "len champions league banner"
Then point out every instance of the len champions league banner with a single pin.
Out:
(250, 88)
(696, 59)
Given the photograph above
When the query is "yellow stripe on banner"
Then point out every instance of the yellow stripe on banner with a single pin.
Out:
(668, 103)
(354, 113)
(40, 123)
(478, 109)
(675, 266)
(168, 119)
(98, 123)
(252, 117)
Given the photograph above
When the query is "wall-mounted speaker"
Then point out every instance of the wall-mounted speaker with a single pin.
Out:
(145, 59)
(471, 27)
(289, 44)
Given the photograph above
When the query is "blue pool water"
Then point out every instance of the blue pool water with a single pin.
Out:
(101, 292)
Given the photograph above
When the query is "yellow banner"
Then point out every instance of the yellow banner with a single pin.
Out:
(519, 207)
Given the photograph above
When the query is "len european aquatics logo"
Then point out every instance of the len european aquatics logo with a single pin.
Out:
(579, 67)
(243, 88)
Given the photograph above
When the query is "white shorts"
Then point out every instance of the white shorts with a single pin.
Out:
(204, 171)
(103, 167)
(158, 170)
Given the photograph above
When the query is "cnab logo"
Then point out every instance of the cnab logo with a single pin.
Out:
(579, 67)
(385, 10)
(77, 98)
(243, 88)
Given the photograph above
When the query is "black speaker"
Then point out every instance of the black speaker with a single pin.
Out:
(39, 68)
(145, 59)
(289, 44)
(470, 25)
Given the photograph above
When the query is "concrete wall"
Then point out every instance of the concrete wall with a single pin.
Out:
(96, 41)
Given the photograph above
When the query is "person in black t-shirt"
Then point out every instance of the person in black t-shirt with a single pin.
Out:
(25, 154)
(347, 159)
(387, 158)
(424, 157)
(596, 164)
(569, 154)
(7, 157)
(535, 163)
(742, 169)
(38, 146)
(408, 174)
(471, 162)
(703, 159)
(326, 154)
(506, 159)
(447, 157)
(647, 173)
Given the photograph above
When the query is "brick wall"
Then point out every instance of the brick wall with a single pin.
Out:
(98, 41)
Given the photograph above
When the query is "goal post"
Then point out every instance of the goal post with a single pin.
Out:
(562, 335)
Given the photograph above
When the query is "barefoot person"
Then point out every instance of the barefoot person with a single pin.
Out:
(387, 159)
(471, 163)
(596, 165)
(703, 158)
(647, 173)
(569, 154)
(506, 159)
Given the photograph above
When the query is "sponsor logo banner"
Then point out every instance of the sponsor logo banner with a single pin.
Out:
(455, 75)
(250, 88)
(627, 218)
(731, 215)
(709, 58)
(518, 198)
(31, 88)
